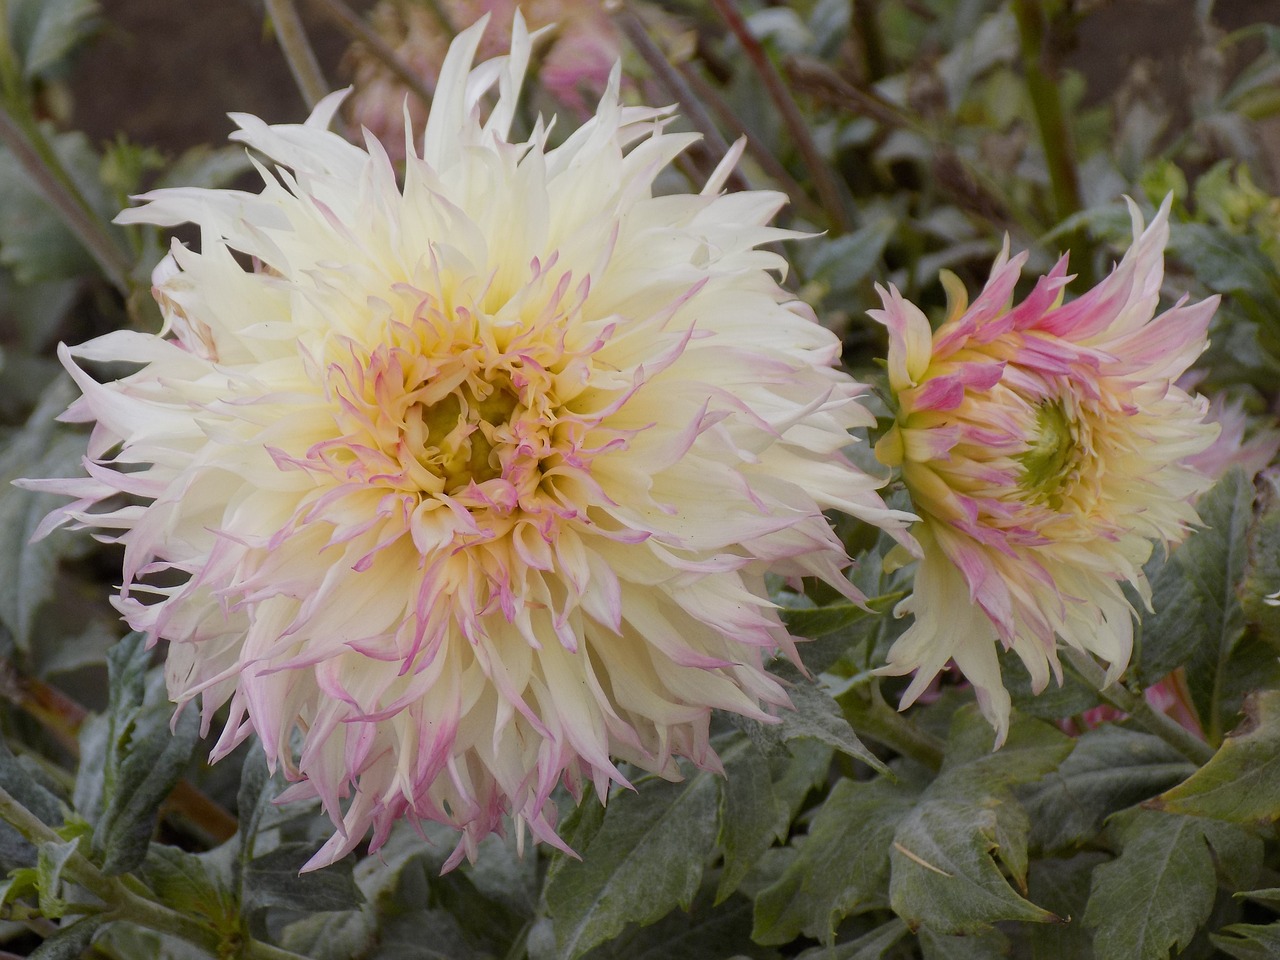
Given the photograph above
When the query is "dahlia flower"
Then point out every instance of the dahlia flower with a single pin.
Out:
(468, 486)
(1042, 445)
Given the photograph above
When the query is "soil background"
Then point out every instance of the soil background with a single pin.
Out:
(166, 72)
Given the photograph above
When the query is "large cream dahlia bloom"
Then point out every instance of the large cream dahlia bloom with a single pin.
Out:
(1042, 445)
(469, 485)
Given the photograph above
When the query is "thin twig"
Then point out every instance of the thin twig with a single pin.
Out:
(41, 164)
(357, 29)
(690, 105)
(823, 180)
(297, 50)
(756, 146)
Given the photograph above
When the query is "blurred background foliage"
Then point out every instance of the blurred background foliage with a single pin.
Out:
(910, 136)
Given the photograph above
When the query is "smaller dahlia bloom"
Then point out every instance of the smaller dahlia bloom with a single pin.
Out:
(466, 486)
(574, 65)
(1043, 445)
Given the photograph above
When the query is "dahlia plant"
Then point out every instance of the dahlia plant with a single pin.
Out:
(602, 486)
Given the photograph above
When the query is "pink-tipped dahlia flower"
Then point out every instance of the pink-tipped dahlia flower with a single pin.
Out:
(1043, 447)
(469, 483)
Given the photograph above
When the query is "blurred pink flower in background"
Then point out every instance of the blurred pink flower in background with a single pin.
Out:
(573, 63)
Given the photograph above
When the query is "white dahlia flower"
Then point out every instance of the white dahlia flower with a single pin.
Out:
(471, 482)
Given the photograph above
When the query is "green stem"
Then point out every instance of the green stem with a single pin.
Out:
(297, 50)
(1059, 153)
(823, 179)
(1136, 706)
(876, 720)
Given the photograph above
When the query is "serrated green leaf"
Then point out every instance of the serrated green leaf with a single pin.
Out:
(1241, 783)
(1249, 941)
(1157, 893)
(1110, 768)
(1198, 618)
(432, 934)
(869, 946)
(647, 857)
(50, 861)
(70, 942)
(752, 817)
(1063, 887)
(273, 880)
(44, 32)
(125, 940)
(816, 717)
(941, 861)
(842, 865)
(144, 757)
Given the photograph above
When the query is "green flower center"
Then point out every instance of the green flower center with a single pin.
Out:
(1051, 459)
(462, 433)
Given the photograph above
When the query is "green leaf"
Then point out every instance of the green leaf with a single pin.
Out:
(1110, 768)
(752, 816)
(1063, 887)
(990, 944)
(144, 758)
(42, 448)
(723, 930)
(1198, 617)
(44, 32)
(273, 880)
(1269, 895)
(70, 942)
(941, 861)
(816, 717)
(647, 857)
(1241, 783)
(842, 866)
(1263, 576)
(1248, 941)
(869, 946)
(186, 883)
(18, 781)
(1161, 888)
(50, 861)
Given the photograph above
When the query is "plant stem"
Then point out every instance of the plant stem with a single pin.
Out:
(297, 50)
(1136, 706)
(823, 179)
(41, 164)
(358, 30)
(1055, 138)
(690, 105)
(124, 904)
